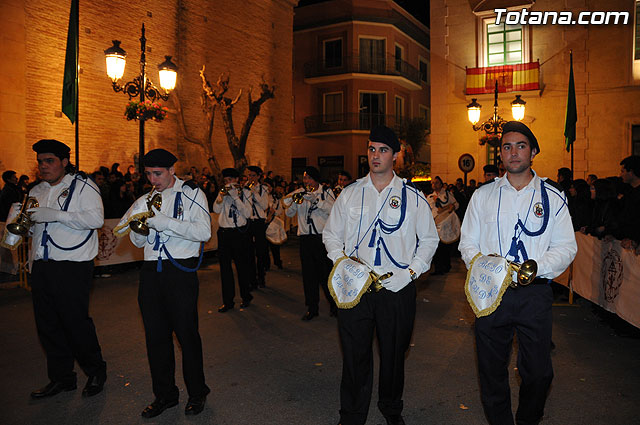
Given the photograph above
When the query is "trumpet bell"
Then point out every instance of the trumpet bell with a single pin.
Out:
(140, 227)
(527, 272)
(23, 221)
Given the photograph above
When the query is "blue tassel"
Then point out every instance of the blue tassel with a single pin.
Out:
(378, 259)
(159, 265)
(372, 241)
(156, 245)
(45, 237)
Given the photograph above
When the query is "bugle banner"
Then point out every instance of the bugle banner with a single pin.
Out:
(349, 279)
(487, 279)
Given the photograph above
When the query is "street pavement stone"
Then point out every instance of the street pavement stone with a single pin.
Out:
(266, 366)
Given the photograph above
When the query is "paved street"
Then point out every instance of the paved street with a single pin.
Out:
(265, 366)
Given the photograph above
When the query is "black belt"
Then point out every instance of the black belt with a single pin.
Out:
(231, 229)
(536, 281)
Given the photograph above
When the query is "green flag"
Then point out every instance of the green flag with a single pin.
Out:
(70, 84)
(572, 114)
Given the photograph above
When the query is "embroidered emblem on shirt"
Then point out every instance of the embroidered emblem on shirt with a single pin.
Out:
(394, 202)
(65, 193)
(538, 209)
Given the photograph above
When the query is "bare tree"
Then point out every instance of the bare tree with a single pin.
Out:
(237, 145)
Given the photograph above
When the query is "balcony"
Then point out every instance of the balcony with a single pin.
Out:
(348, 122)
(386, 67)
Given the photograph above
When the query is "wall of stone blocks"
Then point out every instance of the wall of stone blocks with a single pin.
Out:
(249, 41)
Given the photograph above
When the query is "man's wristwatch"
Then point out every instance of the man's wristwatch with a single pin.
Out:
(413, 274)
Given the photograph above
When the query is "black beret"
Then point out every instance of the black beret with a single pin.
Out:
(518, 127)
(230, 172)
(255, 169)
(159, 158)
(312, 172)
(490, 168)
(383, 134)
(55, 147)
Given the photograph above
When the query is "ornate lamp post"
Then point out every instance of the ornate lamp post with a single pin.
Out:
(494, 124)
(140, 86)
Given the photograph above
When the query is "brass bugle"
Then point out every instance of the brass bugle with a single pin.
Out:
(525, 271)
(227, 189)
(376, 281)
(23, 221)
(140, 226)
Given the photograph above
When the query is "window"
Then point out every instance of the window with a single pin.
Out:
(372, 56)
(424, 71)
(372, 109)
(425, 114)
(398, 58)
(333, 107)
(635, 140)
(332, 53)
(492, 154)
(504, 44)
(399, 110)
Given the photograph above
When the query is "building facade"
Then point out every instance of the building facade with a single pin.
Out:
(606, 65)
(249, 41)
(357, 64)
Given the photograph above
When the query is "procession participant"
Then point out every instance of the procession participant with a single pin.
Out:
(312, 211)
(258, 198)
(344, 180)
(275, 233)
(234, 210)
(386, 223)
(63, 246)
(443, 203)
(490, 173)
(519, 216)
(168, 291)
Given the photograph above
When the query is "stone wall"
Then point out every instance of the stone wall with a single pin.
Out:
(249, 41)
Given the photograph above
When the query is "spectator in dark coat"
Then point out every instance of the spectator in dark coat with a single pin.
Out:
(629, 224)
(10, 193)
(603, 218)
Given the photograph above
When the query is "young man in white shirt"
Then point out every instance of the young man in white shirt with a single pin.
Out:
(386, 223)
(168, 291)
(63, 245)
(519, 216)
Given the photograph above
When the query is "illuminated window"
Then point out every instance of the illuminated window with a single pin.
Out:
(504, 44)
(424, 71)
(399, 110)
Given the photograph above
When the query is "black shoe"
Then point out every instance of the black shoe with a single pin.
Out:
(308, 316)
(157, 407)
(95, 384)
(394, 419)
(262, 283)
(53, 388)
(195, 405)
(245, 304)
(224, 308)
(279, 265)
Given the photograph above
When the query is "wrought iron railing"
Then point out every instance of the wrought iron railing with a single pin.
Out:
(349, 121)
(380, 65)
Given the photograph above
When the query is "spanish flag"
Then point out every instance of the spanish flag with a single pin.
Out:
(520, 77)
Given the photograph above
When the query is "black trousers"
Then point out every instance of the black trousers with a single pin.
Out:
(232, 246)
(169, 303)
(258, 251)
(316, 267)
(442, 258)
(60, 293)
(392, 315)
(275, 252)
(527, 312)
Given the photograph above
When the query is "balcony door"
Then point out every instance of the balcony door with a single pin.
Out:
(372, 56)
(372, 109)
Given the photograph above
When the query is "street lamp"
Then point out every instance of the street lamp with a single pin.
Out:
(493, 126)
(140, 86)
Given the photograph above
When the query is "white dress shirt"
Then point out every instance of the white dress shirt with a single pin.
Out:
(316, 207)
(85, 212)
(355, 215)
(183, 237)
(493, 212)
(258, 198)
(231, 206)
(445, 197)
